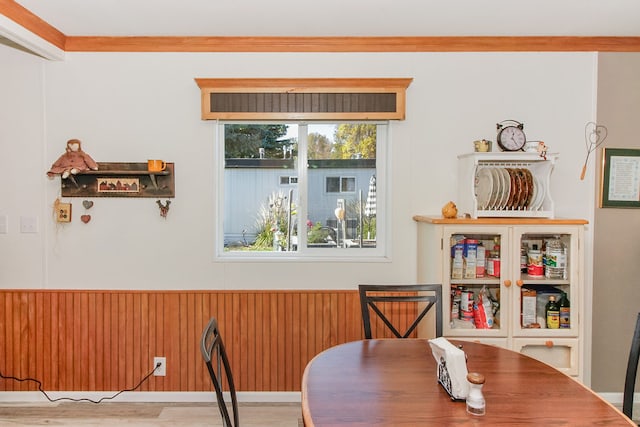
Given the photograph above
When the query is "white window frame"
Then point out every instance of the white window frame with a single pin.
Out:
(381, 253)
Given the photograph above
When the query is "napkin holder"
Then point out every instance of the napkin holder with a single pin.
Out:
(452, 368)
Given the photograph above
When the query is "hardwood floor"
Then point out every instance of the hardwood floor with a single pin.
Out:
(146, 414)
(151, 414)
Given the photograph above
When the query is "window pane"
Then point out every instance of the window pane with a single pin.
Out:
(259, 202)
(342, 161)
(333, 184)
(348, 185)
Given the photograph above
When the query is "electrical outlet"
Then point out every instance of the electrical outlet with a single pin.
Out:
(162, 370)
(63, 213)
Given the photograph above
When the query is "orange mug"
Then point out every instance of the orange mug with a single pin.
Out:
(156, 165)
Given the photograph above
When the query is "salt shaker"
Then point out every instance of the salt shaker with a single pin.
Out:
(475, 399)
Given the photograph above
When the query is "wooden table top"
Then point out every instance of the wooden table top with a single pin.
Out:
(392, 382)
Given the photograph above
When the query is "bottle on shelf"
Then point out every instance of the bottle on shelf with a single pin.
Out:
(524, 249)
(552, 313)
(496, 246)
(543, 251)
(565, 311)
(493, 261)
(456, 293)
(555, 259)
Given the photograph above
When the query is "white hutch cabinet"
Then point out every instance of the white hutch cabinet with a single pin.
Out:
(516, 299)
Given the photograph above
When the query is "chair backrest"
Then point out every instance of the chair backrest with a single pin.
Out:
(215, 357)
(427, 295)
(632, 369)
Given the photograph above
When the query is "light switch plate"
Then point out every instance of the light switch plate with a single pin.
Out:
(28, 224)
(4, 224)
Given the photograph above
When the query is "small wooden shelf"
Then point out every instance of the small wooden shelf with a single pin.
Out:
(120, 180)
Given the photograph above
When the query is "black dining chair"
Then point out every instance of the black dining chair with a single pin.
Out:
(215, 357)
(632, 369)
(373, 296)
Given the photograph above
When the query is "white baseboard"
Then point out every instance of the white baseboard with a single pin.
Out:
(140, 396)
(616, 398)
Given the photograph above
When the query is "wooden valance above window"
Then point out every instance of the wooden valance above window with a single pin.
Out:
(303, 99)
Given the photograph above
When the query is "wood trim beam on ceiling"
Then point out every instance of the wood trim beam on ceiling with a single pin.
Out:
(303, 99)
(32, 23)
(352, 44)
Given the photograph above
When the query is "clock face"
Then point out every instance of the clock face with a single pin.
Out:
(511, 138)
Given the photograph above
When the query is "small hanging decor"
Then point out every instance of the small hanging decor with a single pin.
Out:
(164, 209)
(88, 204)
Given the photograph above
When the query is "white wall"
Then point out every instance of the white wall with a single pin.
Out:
(128, 107)
(21, 165)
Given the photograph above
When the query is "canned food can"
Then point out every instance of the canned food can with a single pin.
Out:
(535, 266)
(496, 267)
(467, 316)
(489, 268)
(466, 301)
(455, 310)
(493, 266)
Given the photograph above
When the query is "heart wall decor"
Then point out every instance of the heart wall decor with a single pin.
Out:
(85, 218)
(88, 204)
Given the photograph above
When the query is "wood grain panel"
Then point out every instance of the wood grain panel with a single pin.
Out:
(354, 44)
(106, 340)
(31, 22)
(36, 25)
(279, 98)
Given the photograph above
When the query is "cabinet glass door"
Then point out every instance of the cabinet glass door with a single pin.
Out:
(474, 269)
(547, 271)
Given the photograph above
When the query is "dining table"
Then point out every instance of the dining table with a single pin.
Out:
(393, 382)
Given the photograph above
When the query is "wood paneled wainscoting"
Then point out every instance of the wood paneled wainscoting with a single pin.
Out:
(90, 340)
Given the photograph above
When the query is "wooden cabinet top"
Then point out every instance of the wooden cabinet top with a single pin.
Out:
(499, 221)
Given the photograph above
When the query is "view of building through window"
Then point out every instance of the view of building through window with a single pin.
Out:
(298, 187)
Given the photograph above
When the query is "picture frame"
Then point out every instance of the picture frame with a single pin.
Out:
(620, 178)
(118, 185)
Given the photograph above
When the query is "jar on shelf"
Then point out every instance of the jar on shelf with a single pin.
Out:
(555, 259)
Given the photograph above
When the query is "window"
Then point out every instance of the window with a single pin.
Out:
(301, 190)
(341, 184)
(288, 180)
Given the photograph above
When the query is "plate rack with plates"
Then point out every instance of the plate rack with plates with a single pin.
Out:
(505, 185)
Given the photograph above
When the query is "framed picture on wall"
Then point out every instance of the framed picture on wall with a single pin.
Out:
(620, 183)
(118, 185)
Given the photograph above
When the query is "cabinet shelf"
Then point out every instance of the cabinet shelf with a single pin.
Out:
(534, 280)
(477, 281)
(121, 180)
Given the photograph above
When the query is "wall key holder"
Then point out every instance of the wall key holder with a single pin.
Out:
(121, 180)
